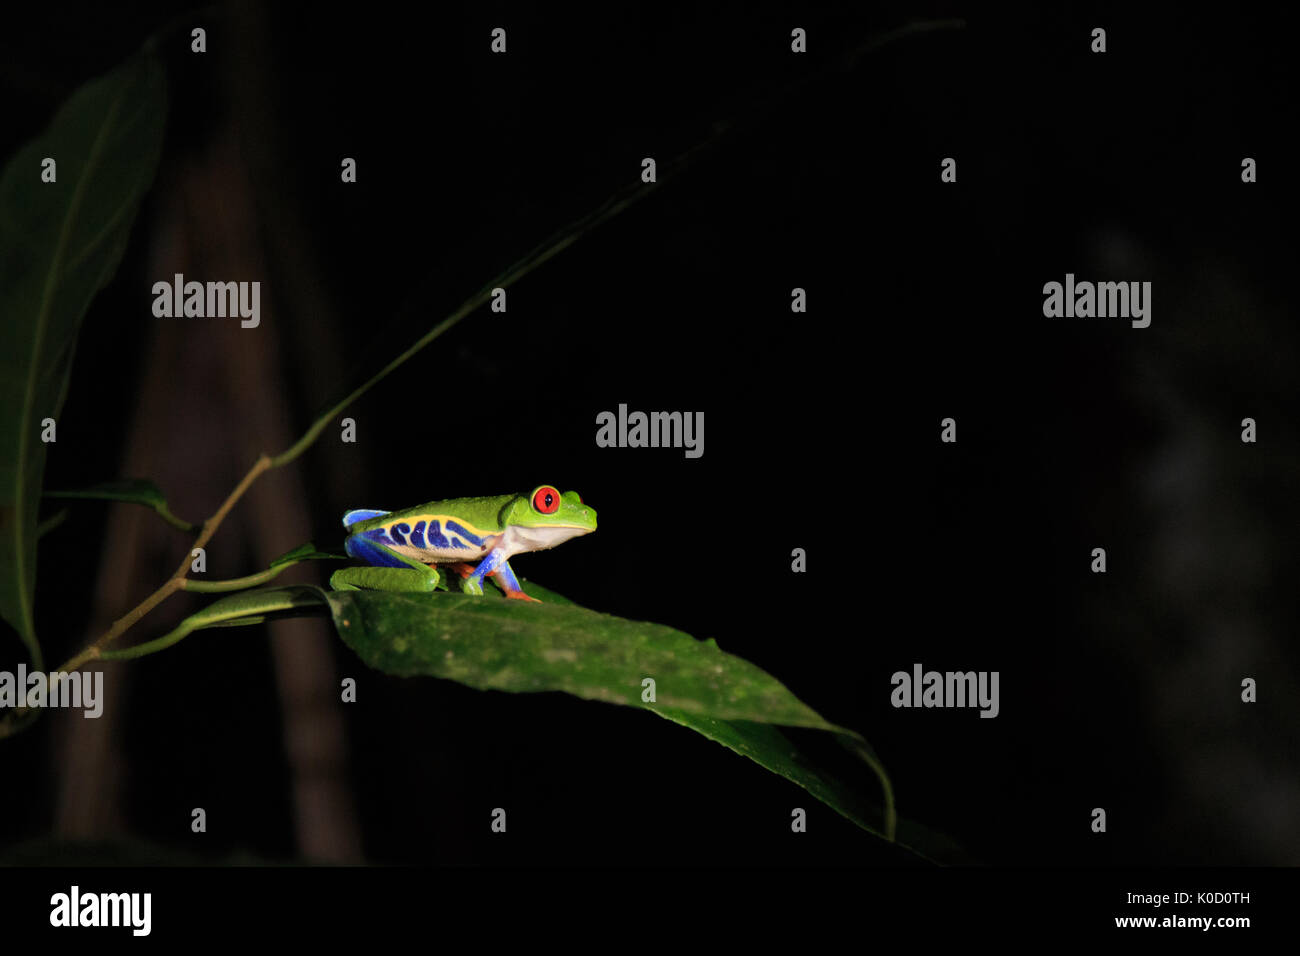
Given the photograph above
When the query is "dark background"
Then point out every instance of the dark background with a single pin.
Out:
(822, 430)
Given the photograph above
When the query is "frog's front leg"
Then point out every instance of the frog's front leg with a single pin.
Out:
(394, 572)
(498, 568)
(509, 584)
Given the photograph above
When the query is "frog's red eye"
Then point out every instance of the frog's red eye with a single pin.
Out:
(546, 500)
(579, 497)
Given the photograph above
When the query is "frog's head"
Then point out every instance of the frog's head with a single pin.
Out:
(546, 518)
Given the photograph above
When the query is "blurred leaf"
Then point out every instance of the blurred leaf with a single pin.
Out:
(60, 243)
(138, 491)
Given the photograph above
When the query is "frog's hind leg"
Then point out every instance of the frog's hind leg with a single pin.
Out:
(463, 568)
(389, 570)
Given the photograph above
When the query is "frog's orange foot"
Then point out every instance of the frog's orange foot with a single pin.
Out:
(521, 596)
(464, 570)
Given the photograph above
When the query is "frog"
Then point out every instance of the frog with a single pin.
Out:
(472, 537)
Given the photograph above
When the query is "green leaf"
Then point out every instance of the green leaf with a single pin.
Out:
(306, 552)
(496, 644)
(246, 607)
(766, 745)
(60, 243)
(137, 491)
(228, 610)
(769, 748)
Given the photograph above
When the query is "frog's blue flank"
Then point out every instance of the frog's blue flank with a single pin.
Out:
(357, 515)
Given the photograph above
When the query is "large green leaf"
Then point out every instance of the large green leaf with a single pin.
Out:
(768, 747)
(496, 644)
(60, 243)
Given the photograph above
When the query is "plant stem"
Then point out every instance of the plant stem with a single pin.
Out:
(177, 581)
(235, 584)
(52, 522)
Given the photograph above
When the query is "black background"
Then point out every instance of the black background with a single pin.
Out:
(822, 430)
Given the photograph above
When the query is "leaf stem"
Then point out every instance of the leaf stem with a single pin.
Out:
(150, 647)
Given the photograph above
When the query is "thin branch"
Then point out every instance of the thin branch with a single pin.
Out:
(235, 584)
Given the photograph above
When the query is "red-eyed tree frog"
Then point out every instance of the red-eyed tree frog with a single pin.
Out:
(475, 537)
